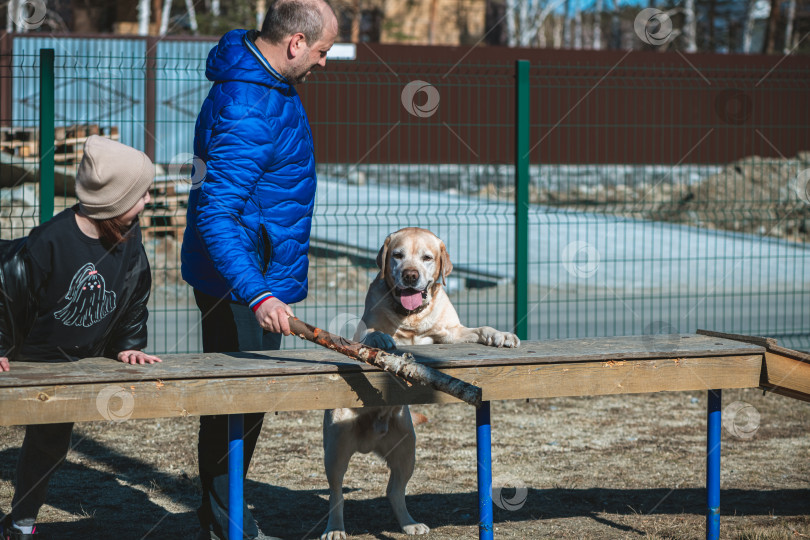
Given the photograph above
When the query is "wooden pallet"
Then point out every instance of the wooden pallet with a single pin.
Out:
(20, 142)
(69, 141)
(20, 134)
(168, 189)
(165, 216)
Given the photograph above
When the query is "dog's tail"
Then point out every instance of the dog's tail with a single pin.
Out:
(418, 418)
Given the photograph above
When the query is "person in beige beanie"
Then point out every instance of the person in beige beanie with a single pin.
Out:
(76, 287)
(112, 185)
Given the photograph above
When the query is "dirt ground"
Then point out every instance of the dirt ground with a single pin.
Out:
(600, 467)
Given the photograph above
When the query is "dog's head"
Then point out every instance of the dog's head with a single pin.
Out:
(414, 263)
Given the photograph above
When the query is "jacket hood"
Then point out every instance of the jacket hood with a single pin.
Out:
(236, 58)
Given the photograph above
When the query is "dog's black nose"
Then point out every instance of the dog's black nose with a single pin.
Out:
(410, 277)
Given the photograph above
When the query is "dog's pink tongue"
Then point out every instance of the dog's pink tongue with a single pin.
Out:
(411, 301)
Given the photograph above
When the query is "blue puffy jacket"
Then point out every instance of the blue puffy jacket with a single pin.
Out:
(249, 217)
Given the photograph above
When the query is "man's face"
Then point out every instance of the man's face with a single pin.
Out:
(315, 55)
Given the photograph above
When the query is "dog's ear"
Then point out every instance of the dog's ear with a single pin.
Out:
(445, 266)
(382, 255)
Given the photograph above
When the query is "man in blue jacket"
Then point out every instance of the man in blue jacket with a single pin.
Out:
(249, 218)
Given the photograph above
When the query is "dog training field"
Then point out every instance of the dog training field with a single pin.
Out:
(604, 467)
(623, 198)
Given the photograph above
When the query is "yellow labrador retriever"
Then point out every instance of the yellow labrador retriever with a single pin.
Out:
(406, 304)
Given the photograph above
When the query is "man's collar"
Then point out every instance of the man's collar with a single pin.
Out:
(250, 42)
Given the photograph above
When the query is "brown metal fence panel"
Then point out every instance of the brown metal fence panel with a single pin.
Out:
(604, 106)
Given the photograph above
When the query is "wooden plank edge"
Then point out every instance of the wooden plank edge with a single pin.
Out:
(790, 353)
(621, 377)
(786, 392)
(193, 397)
(786, 375)
(317, 362)
(755, 340)
(769, 343)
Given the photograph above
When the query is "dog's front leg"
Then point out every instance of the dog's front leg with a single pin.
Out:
(495, 338)
(485, 335)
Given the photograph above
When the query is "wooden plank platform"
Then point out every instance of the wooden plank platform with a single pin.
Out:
(195, 384)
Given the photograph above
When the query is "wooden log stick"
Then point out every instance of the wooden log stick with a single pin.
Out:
(402, 366)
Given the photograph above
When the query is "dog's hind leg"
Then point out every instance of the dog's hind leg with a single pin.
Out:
(338, 448)
(398, 448)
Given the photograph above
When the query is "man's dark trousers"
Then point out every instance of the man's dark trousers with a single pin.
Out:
(227, 327)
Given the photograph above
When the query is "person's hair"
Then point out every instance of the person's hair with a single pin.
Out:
(288, 17)
(113, 231)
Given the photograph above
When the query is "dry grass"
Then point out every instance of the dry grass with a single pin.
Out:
(600, 467)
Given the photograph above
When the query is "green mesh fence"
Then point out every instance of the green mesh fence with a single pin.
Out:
(656, 211)
(651, 208)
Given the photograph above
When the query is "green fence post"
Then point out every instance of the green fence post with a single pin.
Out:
(46, 135)
(522, 200)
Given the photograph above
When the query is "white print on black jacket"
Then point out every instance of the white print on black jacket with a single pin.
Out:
(88, 299)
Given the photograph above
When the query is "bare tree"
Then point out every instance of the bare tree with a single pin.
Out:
(541, 36)
(191, 13)
(511, 26)
(525, 19)
(758, 10)
(577, 25)
(144, 13)
(166, 12)
(567, 25)
(557, 28)
(214, 17)
(192, 16)
(615, 27)
(597, 25)
(689, 26)
(791, 15)
(11, 13)
(748, 31)
(432, 22)
(770, 36)
(261, 11)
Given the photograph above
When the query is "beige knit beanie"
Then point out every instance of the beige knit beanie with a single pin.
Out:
(112, 177)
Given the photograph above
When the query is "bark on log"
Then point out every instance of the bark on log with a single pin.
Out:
(402, 366)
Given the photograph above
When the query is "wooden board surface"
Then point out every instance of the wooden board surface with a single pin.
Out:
(192, 396)
(319, 361)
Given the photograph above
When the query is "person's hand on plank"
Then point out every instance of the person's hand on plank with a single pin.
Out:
(137, 357)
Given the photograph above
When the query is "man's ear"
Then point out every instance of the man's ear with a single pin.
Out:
(445, 266)
(297, 41)
(382, 255)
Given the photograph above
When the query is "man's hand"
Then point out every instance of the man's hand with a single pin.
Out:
(273, 315)
(137, 357)
(4, 364)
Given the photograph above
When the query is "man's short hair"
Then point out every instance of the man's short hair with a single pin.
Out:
(288, 17)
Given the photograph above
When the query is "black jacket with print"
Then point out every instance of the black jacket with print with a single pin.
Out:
(18, 308)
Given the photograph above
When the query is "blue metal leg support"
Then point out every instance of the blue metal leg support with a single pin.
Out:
(236, 456)
(713, 466)
(484, 452)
